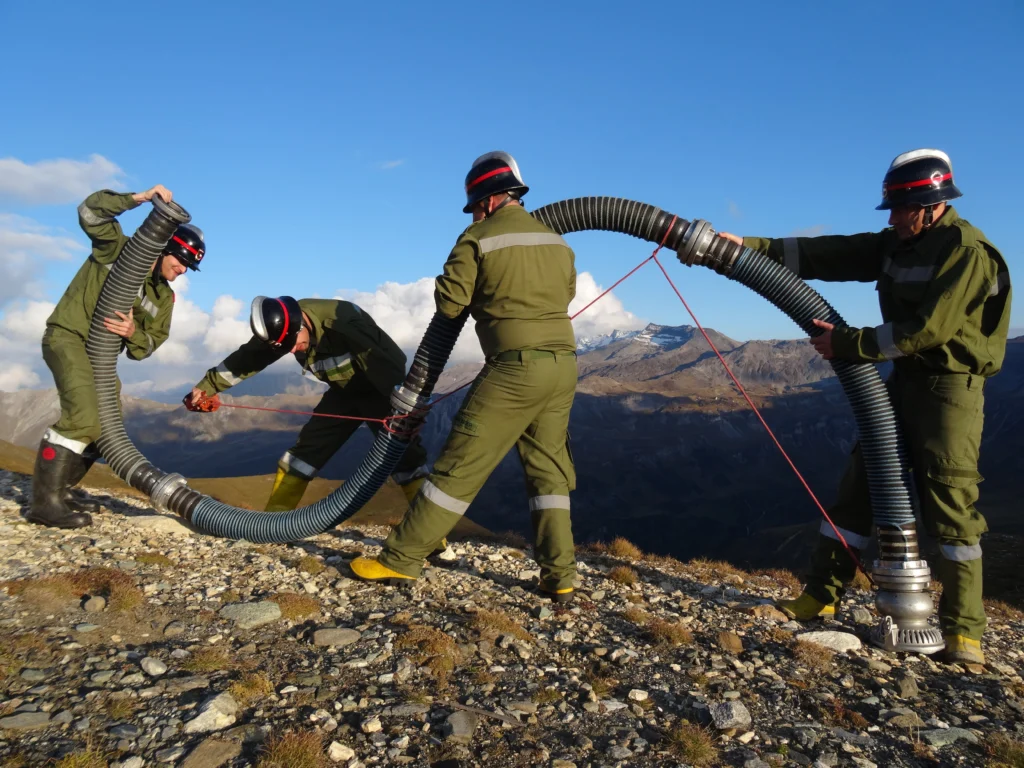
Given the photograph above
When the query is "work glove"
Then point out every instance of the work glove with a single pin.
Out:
(197, 400)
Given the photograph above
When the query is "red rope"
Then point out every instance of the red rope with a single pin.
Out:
(757, 412)
(653, 257)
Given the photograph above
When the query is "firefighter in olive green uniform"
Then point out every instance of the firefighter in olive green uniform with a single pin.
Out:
(944, 292)
(68, 447)
(516, 278)
(338, 343)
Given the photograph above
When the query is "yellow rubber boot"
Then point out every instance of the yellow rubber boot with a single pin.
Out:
(556, 595)
(368, 569)
(962, 650)
(287, 492)
(806, 608)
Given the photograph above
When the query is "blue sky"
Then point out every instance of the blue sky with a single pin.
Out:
(322, 147)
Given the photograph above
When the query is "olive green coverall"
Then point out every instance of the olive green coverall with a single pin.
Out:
(516, 278)
(945, 301)
(361, 365)
(67, 328)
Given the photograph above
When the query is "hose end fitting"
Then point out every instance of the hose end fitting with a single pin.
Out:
(406, 402)
(701, 246)
(164, 489)
(903, 599)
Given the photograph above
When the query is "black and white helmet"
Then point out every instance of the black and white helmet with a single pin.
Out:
(276, 321)
(492, 174)
(920, 177)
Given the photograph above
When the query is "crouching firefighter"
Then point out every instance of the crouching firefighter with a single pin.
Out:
(68, 448)
(944, 292)
(338, 343)
(516, 278)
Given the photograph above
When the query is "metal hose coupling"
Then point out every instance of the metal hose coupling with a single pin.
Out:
(412, 406)
(701, 246)
(903, 599)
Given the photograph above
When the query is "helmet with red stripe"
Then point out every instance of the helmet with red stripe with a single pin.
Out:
(492, 174)
(276, 321)
(187, 246)
(921, 177)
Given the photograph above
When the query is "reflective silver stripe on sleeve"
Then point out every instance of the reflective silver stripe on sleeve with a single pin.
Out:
(109, 266)
(297, 466)
(332, 363)
(1001, 284)
(489, 244)
(961, 554)
(231, 379)
(150, 345)
(90, 217)
(151, 309)
(549, 502)
(442, 499)
(855, 540)
(909, 274)
(886, 344)
(791, 254)
(75, 446)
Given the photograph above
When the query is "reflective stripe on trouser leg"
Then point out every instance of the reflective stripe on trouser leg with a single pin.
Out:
(942, 419)
(293, 465)
(553, 543)
(831, 566)
(65, 356)
(504, 402)
(430, 518)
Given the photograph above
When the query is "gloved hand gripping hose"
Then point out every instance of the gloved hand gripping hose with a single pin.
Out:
(696, 244)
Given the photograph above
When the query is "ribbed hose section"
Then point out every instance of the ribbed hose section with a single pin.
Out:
(262, 527)
(118, 295)
(878, 431)
(877, 428)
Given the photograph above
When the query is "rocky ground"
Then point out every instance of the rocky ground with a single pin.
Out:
(140, 643)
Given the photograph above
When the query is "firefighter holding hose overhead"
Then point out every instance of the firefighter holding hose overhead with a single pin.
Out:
(68, 448)
(944, 292)
(516, 277)
(342, 346)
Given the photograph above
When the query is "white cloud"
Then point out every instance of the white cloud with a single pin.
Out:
(390, 164)
(15, 376)
(26, 321)
(403, 310)
(734, 210)
(227, 332)
(24, 247)
(56, 181)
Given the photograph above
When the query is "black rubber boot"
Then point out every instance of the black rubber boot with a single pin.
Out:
(54, 465)
(73, 500)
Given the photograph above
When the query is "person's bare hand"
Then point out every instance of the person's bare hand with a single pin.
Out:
(144, 197)
(124, 326)
(823, 344)
(731, 238)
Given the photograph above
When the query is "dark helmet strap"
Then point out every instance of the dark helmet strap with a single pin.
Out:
(929, 216)
(508, 199)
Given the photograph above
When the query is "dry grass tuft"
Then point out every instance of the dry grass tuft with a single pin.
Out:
(295, 606)
(116, 586)
(304, 749)
(861, 581)
(669, 632)
(90, 757)
(494, 623)
(693, 745)
(776, 634)
(1005, 751)
(433, 649)
(310, 565)
(841, 715)
(483, 676)
(207, 659)
(154, 558)
(17, 760)
(602, 685)
(813, 656)
(620, 574)
(592, 548)
(624, 548)
(1005, 611)
(715, 569)
(120, 709)
(779, 577)
(251, 688)
(16, 649)
(638, 616)
(550, 695)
